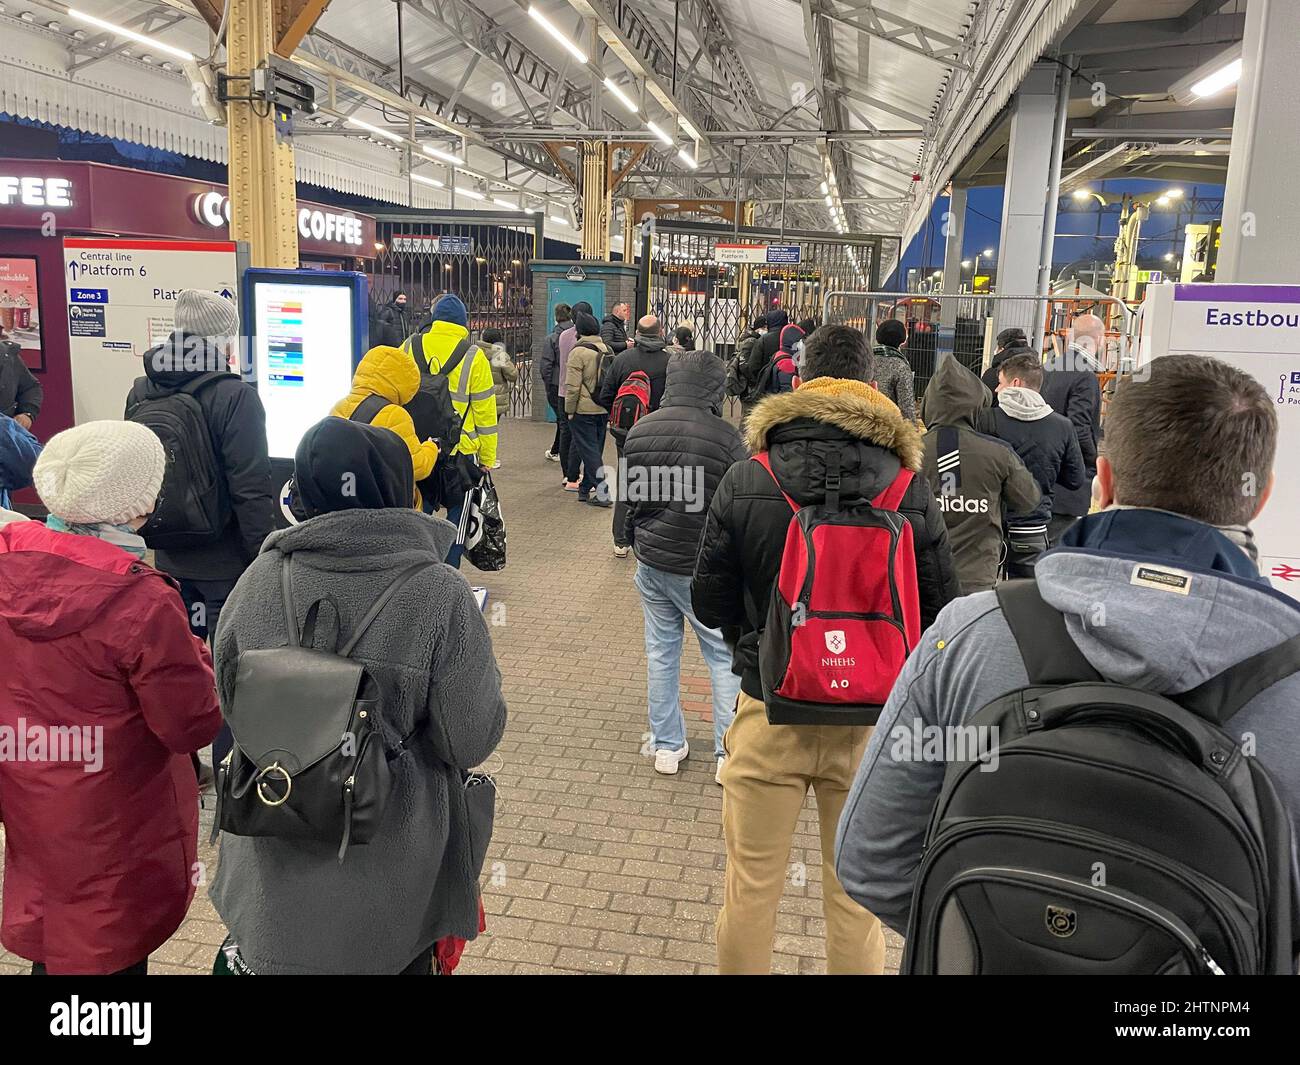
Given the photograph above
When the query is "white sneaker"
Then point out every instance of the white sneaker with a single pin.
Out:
(621, 552)
(722, 760)
(551, 456)
(667, 761)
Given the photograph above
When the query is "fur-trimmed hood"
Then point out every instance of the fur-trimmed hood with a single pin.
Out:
(852, 406)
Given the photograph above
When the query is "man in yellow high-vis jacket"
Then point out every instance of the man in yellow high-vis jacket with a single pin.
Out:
(473, 392)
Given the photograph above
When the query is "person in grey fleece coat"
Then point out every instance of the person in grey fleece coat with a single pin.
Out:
(891, 373)
(1174, 504)
(290, 905)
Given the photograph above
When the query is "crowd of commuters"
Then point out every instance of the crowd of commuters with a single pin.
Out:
(841, 527)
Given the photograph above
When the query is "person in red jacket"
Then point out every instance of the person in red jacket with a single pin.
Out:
(104, 695)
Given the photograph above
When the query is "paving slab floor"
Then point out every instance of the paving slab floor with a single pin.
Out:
(597, 863)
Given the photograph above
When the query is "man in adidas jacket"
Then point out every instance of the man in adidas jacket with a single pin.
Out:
(1173, 506)
(973, 475)
(770, 768)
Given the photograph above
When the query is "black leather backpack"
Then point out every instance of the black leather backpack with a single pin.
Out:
(308, 761)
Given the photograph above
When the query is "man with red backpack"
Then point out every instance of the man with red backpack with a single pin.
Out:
(817, 635)
(630, 388)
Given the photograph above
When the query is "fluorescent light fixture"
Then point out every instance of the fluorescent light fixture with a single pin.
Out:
(446, 157)
(506, 204)
(131, 35)
(470, 193)
(620, 95)
(1221, 79)
(558, 220)
(825, 188)
(829, 202)
(690, 130)
(1212, 77)
(374, 129)
(687, 158)
(557, 33)
(658, 133)
(428, 181)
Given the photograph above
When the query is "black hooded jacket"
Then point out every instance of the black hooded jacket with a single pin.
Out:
(237, 423)
(396, 322)
(976, 476)
(990, 376)
(686, 447)
(647, 354)
(768, 344)
(744, 536)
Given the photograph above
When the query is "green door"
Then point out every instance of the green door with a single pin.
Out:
(562, 290)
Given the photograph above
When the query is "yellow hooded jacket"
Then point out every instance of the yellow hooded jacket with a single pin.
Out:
(473, 392)
(393, 375)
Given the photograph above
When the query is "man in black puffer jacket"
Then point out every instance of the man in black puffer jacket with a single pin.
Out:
(206, 332)
(674, 460)
(762, 353)
(770, 767)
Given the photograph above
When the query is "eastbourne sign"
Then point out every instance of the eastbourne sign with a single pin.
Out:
(315, 223)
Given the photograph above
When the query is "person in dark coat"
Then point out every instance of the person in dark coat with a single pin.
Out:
(613, 330)
(1071, 388)
(1046, 444)
(21, 395)
(762, 353)
(396, 322)
(290, 905)
(975, 475)
(769, 768)
(785, 371)
(1011, 342)
(101, 842)
(206, 333)
(649, 356)
(549, 368)
(675, 458)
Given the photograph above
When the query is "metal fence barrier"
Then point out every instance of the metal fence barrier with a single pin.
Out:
(967, 325)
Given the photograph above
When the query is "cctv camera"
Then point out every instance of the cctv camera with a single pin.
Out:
(202, 85)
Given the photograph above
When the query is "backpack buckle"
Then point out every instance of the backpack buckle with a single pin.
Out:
(260, 780)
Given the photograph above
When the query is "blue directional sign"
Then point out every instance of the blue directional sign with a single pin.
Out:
(785, 254)
(88, 295)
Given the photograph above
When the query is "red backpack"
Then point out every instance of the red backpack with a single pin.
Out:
(845, 610)
(630, 402)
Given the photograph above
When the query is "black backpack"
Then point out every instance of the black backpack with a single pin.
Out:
(193, 506)
(605, 359)
(1123, 832)
(309, 761)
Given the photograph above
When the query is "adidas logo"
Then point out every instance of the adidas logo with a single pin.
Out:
(961, 504)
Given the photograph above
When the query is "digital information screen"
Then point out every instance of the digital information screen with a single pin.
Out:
(303, 357)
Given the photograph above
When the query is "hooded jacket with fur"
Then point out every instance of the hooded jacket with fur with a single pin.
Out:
(744, 535)
(975, 476)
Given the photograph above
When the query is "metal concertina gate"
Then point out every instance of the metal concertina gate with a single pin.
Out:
(480, 256)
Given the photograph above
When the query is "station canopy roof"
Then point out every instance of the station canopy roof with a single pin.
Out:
(876, 105)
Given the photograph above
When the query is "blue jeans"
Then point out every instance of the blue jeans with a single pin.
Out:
(589, 442)
(666, 601)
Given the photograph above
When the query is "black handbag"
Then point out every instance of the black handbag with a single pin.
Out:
(485, 528)
(308, 761)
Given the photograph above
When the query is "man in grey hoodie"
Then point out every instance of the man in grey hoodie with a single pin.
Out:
(1167, 564)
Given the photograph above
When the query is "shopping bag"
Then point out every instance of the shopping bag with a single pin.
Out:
(484, 527)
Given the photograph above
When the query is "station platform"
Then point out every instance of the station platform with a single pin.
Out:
(597, 863)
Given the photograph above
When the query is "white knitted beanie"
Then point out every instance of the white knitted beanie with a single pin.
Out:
(108, 472)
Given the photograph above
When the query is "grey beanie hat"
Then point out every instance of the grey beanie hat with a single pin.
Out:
(205, 314)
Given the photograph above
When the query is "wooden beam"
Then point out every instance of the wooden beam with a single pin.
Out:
(552, 149)
(210, 11)
(293, 21)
